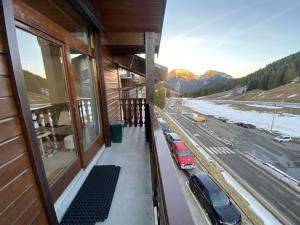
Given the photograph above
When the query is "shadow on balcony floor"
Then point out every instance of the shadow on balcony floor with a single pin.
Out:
(132, 202)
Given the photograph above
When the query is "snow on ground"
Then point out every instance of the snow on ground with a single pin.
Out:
(277, 96)
(292, 96)
(265, 106)
(284, 123)
(264, 214)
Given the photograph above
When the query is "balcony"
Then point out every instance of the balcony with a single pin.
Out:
(132, 202)
(148, 190)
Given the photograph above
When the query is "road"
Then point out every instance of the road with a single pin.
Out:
(276, 196)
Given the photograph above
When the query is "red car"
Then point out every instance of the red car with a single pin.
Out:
(183, 156)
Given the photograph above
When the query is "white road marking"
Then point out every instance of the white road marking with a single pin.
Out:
(196, 135)
(204, 213)
(227, 150)
(223, 150)
(217, 150)
(230, 150)
(214, 152)
(209, 151)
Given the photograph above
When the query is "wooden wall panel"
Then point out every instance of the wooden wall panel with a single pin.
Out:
(5, 87)
(20, 199)
(11, 149)
(3, 64)
(112, 86)
(7, 107)
(12, 128)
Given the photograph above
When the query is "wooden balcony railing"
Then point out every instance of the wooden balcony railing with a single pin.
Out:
(168, 197)
(133, 111)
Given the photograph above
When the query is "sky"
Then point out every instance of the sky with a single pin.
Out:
(233, 36)
(32, 62)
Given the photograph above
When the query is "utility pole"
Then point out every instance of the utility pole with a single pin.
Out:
(274, 114)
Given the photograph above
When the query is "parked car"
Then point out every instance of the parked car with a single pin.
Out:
(283, 138)
(183, 156)
(213, 199)
(249, 125)
(239, 124)
(158, 114)
(246, 125)
(172, 137)
(223, 119)
(164, 126)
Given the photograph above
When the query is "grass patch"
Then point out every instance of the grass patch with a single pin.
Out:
(215, 172)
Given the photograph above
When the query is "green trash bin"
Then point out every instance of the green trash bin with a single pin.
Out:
(117, 128)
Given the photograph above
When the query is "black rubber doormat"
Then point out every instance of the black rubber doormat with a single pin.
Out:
(93, 201)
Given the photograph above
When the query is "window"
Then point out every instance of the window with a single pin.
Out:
(86, 96)
(219, 199)
(183, 153)
(46, 86)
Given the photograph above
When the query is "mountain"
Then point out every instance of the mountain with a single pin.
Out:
(183, 81)
(273, 75)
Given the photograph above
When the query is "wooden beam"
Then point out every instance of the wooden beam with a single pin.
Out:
(150, 66)
(15, 69)
(127, 43)
(87, 11)
(102, 92)
(137, 65)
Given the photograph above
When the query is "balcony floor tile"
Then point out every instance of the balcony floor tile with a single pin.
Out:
(132, 202)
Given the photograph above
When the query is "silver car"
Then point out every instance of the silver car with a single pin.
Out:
(283, 138)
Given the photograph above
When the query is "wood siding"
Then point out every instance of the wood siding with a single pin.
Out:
(20, 200)
(112, 86)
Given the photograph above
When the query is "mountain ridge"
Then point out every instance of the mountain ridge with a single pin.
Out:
(183, 80)
(274, 74)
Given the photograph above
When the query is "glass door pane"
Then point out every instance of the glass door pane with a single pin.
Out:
(46, 85)
(86, 97)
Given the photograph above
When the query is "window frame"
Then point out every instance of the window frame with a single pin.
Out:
(31, 21)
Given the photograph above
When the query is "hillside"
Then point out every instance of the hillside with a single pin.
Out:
(182, 80)
(286, 93)
(271, 76)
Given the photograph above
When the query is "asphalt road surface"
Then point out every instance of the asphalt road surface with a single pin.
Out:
(276, 196)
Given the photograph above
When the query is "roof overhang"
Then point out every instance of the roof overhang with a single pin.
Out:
(127, 43)
(137, 65)
(126, 21)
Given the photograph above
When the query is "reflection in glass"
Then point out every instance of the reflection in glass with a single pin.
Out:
(86, 97)
(47, 94)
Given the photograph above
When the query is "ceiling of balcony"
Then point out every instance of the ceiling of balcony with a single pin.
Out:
(125, 22)
(131, 15)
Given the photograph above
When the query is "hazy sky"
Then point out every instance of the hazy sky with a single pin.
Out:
(232, 36)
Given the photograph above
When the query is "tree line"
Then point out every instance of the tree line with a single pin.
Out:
(273, 75)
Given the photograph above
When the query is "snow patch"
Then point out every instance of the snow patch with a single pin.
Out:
(265, 106)
(284, 123)
(277, 96)
(264, 214)
(292, 96)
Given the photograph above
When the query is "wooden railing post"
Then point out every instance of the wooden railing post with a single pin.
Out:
(135, 116)
(140, 101)
(133, 111)
(148, 123)
(130, 111)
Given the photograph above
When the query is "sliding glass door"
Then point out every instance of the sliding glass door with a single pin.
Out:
(86, 96)
(47, 92)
